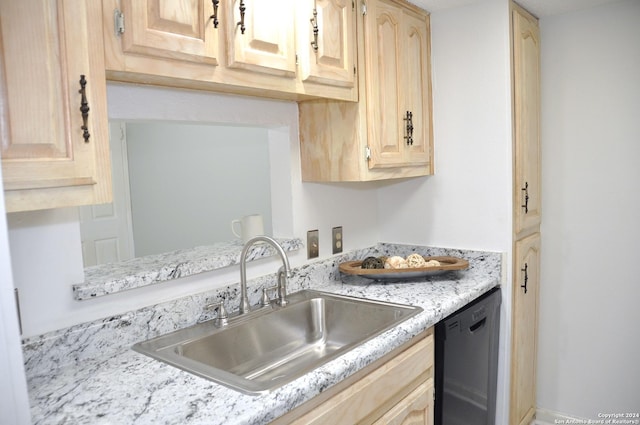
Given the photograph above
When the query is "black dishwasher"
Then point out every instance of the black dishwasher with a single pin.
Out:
(466, 363)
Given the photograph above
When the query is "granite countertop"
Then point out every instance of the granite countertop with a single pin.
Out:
(105, 279)
(127, 387)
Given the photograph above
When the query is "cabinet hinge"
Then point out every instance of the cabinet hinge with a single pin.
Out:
(354, 70)
(364, 8)
(353, 4)
(367, 153)
(297, 63)
(118, 22)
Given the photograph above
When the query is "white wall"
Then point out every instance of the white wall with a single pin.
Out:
(14, 403)
(467, 203)
(45, 245)
(468, 200)
(589, 339)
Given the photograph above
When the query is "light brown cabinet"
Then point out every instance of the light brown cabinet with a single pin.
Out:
(396, 52)
(388, 134)
(263, 39)
(248, 47)
(327, 43)
(414, 409)
(526, 213)
(525, 330)
(399, 391)
(53, 119)
(526, 72)
(180, 30)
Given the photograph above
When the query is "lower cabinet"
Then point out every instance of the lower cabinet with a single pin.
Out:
(399, 391)
(414, 409)
(524, 340)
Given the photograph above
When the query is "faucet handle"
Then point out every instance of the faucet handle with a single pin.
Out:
(281, 283)
(223, 316)
(266, 301)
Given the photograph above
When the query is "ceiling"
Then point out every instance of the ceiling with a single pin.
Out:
(539, 8)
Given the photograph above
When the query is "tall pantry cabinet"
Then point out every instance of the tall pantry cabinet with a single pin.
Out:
(527, 213)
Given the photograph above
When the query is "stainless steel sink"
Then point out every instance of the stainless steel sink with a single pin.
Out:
(268, 348)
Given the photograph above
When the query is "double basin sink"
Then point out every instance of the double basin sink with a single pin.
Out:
(265, 349)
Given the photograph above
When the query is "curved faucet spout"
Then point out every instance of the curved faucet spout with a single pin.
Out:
(244, 299)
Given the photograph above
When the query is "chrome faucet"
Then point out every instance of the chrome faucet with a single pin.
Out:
(283, 272)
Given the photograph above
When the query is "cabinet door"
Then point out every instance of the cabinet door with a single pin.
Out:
(416, 93)
(397, 52)
(376, 393)
(383, 38)
(415, 409)
(261, 36)
(525, 329)
(51, 155)
(327, 42)
(526, 80)
(178, 29)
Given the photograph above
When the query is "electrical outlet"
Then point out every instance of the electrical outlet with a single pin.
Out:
(336, 240)
(313, 244)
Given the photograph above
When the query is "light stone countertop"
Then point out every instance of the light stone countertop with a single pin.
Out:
(105, 279)
(76, 376)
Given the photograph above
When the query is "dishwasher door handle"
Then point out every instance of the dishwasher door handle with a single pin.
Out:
(478, 325)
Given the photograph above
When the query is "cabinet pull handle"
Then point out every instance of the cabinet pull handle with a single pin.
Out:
(214, 17)
(84, 108)
(241, 22)
(525, 189)
(409, 127)
(314, 25)
(526, 277)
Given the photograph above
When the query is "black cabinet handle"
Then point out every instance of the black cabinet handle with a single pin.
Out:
(409, 127)
(314, 25)
(84, 108)
(526, 277)
(214, 17)
(243, 8)
(525, 189)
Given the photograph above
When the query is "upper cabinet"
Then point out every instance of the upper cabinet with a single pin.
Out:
(526, 107)
(396, 52)
(181, 30)
(249, 47)
(53, 115)
(327, 44)
(388, 134)
(262, 40)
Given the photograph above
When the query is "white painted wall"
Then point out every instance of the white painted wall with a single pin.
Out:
(14, 403)
(589, 316)
(467, 203)
(468, 200)
(45, 245)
